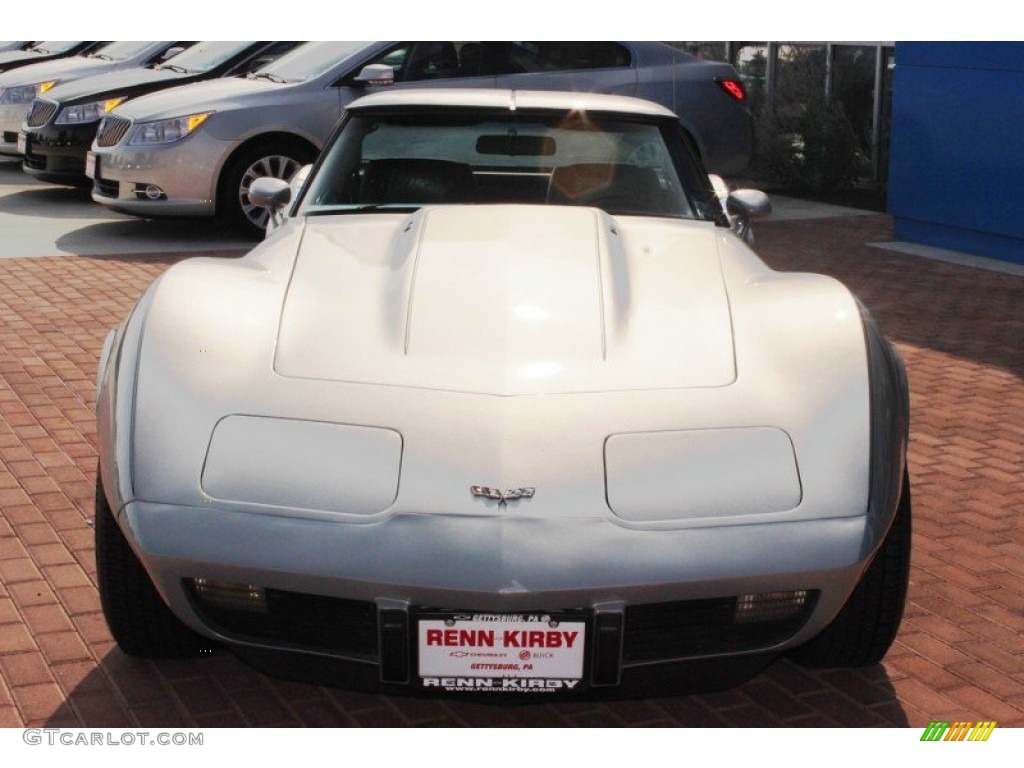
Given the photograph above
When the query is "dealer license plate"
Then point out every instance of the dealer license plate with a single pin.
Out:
(499, 653)
(22, 144)
(91, 165)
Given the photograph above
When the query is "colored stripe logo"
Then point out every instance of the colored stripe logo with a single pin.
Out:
(958, 731)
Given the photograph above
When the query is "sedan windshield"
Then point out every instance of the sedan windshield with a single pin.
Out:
(308, 61)
(620, 164)
(55, 46)
(202, 57)
(121, 51)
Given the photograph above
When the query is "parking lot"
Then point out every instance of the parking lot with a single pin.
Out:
(69, 271)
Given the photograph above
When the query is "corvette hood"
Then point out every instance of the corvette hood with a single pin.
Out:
(507, 300)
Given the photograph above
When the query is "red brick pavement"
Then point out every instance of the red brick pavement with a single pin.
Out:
(959, 655)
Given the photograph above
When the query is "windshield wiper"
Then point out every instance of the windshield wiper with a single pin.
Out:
(266, 76)
(173, 68)
(366, 208)
(100, 56)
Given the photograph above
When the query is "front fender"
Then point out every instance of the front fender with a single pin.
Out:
(890, 429)
(115, 402)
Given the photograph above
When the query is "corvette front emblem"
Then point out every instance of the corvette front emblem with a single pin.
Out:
(502, 497)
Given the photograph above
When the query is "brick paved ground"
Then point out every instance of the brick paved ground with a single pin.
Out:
(959, 655)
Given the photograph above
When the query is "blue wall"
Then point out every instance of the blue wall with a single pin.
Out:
(956, 172)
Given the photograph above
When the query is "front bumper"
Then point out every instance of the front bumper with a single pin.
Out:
(57, 153)
(499, 565)
(185, 171)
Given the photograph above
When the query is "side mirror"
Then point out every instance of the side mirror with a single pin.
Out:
(376, 74)
(740, 206)
(172, 52)
(272, 194)
(748, 203)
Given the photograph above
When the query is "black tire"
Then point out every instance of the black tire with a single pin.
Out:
(280, 158)
(138, 618)
(866, 626)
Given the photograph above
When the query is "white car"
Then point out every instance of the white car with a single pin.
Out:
(503, 407)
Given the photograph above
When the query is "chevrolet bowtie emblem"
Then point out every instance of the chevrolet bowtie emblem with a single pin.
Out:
(502, 497)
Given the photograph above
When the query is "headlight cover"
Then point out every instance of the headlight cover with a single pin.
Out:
(86, 113)
(25, 94)
(167, 131)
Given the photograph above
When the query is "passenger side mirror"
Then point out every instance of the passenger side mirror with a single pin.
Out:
(749, 203)
(740, 206)
(375, 74)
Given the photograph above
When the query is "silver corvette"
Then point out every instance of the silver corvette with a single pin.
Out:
(502, 407)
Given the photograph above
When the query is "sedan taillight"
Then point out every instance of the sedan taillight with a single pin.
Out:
(733, 87)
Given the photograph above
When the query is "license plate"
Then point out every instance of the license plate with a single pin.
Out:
(22, 144)
(500, 653)
(92, 165)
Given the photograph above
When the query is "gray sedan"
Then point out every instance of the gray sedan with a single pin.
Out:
(194, 151)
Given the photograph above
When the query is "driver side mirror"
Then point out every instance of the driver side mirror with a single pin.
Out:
(273, 195)
(375, 74)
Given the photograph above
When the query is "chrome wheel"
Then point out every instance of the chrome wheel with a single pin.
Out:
(277, 166)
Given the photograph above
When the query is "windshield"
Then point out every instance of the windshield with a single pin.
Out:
(122, 51)
(204, 56)
(308, 61)
(55, 47)
(621, 164)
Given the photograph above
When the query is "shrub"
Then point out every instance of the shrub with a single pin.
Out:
(813, 146)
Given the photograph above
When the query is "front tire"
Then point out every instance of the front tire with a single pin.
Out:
(138, 618)
(279, 159)
(867, 625)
